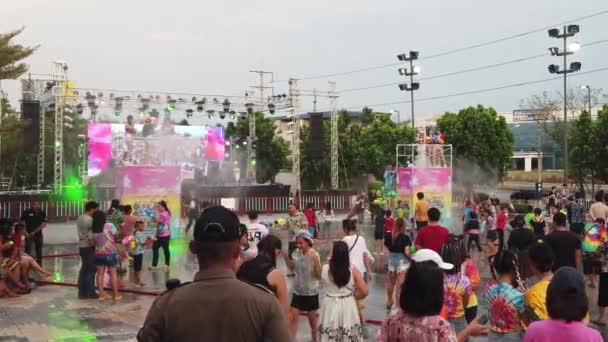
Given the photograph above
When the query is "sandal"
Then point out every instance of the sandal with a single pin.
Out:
(104, 297)
(117, 298)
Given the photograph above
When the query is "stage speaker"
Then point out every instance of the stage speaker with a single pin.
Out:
(317, 142)
(30, 114)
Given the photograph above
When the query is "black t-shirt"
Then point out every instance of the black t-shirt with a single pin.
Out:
(255, 271)
(380, 220)
(564, 245)
(521, 239)
(33, 219)
(538, 227)
(398, 245)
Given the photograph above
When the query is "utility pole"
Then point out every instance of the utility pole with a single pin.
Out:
(335, 180)
(314, 101)
(294, 96)
(251, 160)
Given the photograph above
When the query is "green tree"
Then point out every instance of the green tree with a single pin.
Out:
(479, 138)
(271, 151)
(582, 140)
(365, 147)
(11, 54)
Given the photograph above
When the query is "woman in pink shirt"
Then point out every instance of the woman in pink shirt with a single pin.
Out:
(163, 234)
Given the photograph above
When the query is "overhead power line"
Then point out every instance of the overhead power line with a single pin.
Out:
(490, 66)
(449, 52)
(477, 91)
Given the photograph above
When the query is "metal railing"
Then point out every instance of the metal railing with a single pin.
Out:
(69, 210)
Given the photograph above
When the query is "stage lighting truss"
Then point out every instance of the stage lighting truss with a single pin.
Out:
(134, 103)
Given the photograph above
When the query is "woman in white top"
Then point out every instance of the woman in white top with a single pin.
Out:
(343, 285)
(359, 255)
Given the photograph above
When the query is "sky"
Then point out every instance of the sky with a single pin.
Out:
(210, 46)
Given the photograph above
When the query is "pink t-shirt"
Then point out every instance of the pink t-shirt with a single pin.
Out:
(560, 331)
(163, 224)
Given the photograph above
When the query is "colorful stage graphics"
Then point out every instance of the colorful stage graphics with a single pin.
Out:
(144, 186)
(215, 144)
(110, 145)
(99, 147)
(435, 183)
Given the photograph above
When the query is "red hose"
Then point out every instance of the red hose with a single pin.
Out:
(61, 255)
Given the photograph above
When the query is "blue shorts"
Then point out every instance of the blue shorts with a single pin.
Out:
(397, 262)
(109, 260)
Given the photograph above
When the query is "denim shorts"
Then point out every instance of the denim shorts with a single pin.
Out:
(109, 260)
(397, 262)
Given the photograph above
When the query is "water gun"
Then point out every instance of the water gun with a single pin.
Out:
(413, 250)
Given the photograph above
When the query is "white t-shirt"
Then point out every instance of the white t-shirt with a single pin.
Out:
(358, 251)
(255, 232)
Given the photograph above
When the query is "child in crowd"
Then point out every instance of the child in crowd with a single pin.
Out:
(538, 223)
(504, 302)
(470, 270)
(529, 217)
(472, 231)
(594, 236)
(311, 217)
(138, 243)
(541, 258)
(457, 287)
(501, 224)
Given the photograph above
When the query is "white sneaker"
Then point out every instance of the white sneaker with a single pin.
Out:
(153, 268)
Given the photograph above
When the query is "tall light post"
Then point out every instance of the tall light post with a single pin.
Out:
(588, 96)
(567, 32)
(411, 71)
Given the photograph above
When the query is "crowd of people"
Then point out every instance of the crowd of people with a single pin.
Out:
(19, 240)
(111, 241)
(434, 290)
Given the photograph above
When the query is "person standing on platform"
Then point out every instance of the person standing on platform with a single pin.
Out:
(86, 276)
(35, 221)
(421, 212)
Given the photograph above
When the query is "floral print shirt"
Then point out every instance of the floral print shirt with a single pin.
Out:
(402, 327)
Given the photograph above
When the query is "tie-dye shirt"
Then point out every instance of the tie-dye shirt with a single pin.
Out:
(505, 306)
(163, 224)
(595, 235)
(470, 270)
(455, 288)
(104, 241)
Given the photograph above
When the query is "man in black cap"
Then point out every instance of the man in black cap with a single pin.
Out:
(216, 306)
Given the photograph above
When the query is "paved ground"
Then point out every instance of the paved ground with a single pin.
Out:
(53, 312)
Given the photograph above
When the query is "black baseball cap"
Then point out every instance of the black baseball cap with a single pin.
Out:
(567, 281)
(217, 224)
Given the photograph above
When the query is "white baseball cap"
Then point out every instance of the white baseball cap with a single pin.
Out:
(430, 255)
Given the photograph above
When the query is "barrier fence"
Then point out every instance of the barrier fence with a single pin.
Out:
(70, 210)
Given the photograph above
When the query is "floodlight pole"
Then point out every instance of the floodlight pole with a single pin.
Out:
(412, 91)
(565, 38)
